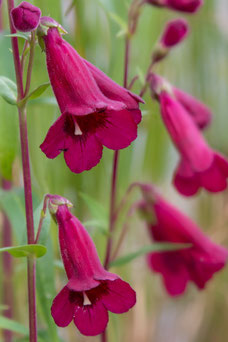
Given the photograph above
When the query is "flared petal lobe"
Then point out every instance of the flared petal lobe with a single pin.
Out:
(197, 263)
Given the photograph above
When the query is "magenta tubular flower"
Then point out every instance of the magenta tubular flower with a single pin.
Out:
(91, 291)
(95, 110)
(188, 6)
(175, 31)
(200, 165)
(25, 17)
(197, 263)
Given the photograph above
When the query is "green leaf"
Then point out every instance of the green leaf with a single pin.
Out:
(156, 247)
(19, 35)
(97, 210)
(26, 250)
(9, 324)
(38, 91)
(8, 90)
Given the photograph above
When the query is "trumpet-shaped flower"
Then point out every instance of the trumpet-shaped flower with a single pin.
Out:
(200, 166)
(95, 110)
(91, 291)
(196, 264)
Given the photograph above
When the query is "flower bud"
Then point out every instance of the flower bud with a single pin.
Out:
(25, 17)
(175, 31)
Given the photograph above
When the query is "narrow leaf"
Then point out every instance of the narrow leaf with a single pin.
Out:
(8, 90)
(38, 91)
(19, 35)
(156, 247)
(26, 250)
(9, 324)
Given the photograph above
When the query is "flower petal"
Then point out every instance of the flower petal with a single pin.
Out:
(214, 179)
(120, 130)
(185, 180)
(119, 296)
(62, 309)
(173, 270)
(83, 153)
(91, 320)
(55, 140)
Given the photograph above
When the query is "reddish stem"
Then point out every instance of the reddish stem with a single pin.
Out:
(7, 268)
(31, 262)
(112, 209)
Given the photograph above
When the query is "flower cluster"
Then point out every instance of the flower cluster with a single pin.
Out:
(97, 112)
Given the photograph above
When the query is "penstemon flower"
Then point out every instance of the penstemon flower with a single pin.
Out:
(95, 110)
(91, 291)
(200, 166)
(196, 264)
(26, 17)
(189, 6)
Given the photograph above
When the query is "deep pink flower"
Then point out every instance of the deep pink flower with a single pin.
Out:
(197, 263)
(200, 166)
(189, 6)
(95, 110)
(25, 17)
(91, 291)
(175, 31)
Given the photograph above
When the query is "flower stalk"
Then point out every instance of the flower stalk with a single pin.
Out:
(31, 263)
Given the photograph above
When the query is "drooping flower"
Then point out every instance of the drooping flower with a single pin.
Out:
(200, 166)
(189, 6)
(196, 264)
(25, 17)
(95, 110)
(91, 291)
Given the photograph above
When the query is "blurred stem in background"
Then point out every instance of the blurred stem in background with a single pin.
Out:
(31, 262)
(7, 268)
(112, 216)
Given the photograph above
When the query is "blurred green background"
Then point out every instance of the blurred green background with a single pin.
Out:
(199, 66)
